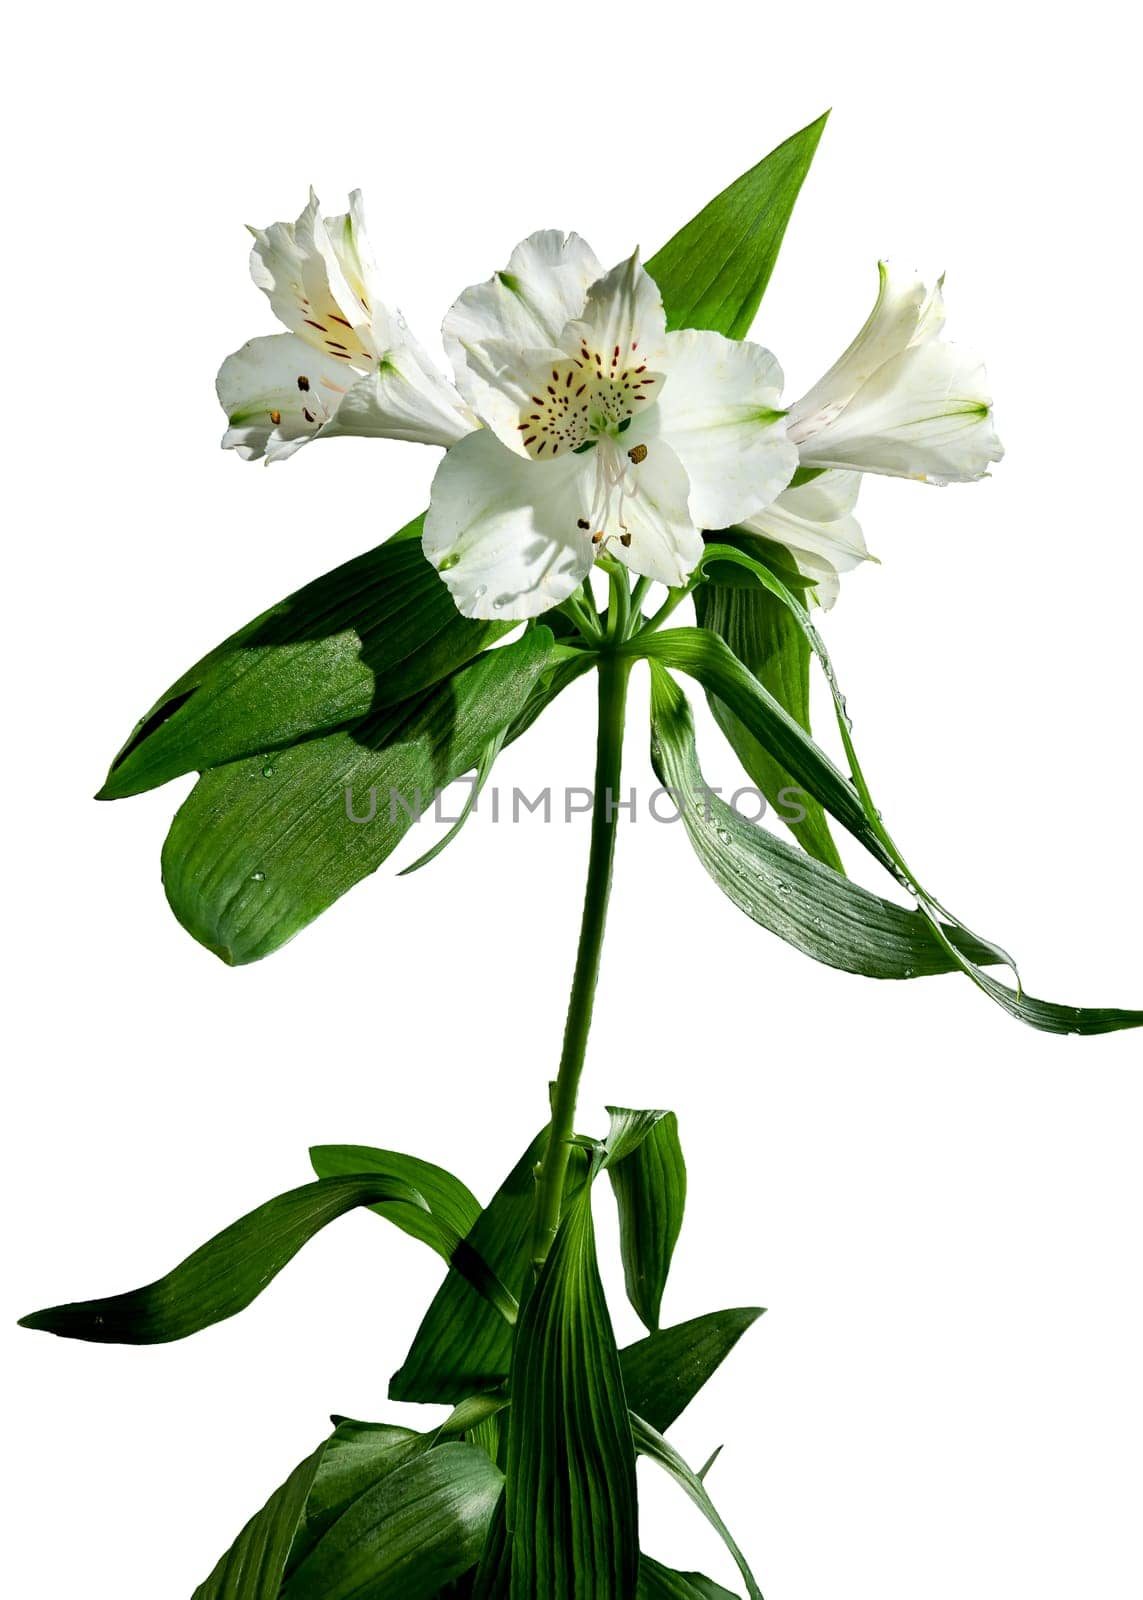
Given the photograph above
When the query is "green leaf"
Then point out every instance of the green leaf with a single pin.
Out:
(494, 1574)
(276, 1542)
(452, 1205)
(551, 685)
(650, 1443)
(704, 656)
(224, 1275)
(627, 1131)
(355, 1457)
(571, 1510)
(657, 1582)
(260, 848)
(767, 639)
(650, 1185)
(415, 1530)
(484, 765)
(807, 904)
(253, 1567)
(451, 1212)
(370, 634)
(463, 1345)
(663, 1373)
(1043, 1014)
(714, 272)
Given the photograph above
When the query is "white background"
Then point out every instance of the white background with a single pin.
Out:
(941, 1209)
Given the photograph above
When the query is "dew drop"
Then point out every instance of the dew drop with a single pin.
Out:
(267, 771)
(724, 837)
(257, 877)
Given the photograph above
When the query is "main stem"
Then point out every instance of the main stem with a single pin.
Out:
(614, 671)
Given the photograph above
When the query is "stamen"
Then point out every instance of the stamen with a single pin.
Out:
(579, 408)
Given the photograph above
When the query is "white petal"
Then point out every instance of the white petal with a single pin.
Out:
(349, 242)
(718, 410)
(903, 310)
(503, 531)
(403, 398)
(524, 308)
(664, 542)
(299, 270)
(828, 498)
(814, 522)
(515, 387)
(278, 393)
(623, 318)
(825, 578)
(925, 414)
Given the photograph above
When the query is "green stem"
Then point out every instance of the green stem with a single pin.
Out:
(638, 594)
(614, 671)
(675, 598)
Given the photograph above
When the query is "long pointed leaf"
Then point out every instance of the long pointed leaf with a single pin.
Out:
(650, 1186)
(442, 1222)
(417, 1529)
(463, 1345)
(707, 658)
(763, 635)
(804, 902)
(628, 1129)
(571, 1510)
(356, 1456)
(450, 1202)
(253, 1567)
(373, 632)
(261, 848)
(663, 1373)
(224, 1275)
(493, 1575)
(714, 271)
(650, 1443)
(1044, 1014)
(657, 1582)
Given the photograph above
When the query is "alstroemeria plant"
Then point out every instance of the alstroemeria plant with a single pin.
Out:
(613, 419)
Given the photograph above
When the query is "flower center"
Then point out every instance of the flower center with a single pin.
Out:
(585, 398)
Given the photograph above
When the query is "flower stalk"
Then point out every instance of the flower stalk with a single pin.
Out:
(614, 671)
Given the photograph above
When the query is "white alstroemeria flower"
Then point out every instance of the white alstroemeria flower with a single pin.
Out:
(349, 365)
(815, 523)
(602, 431)
(900, 401)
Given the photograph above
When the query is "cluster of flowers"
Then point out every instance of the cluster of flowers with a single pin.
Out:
(576, 424)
